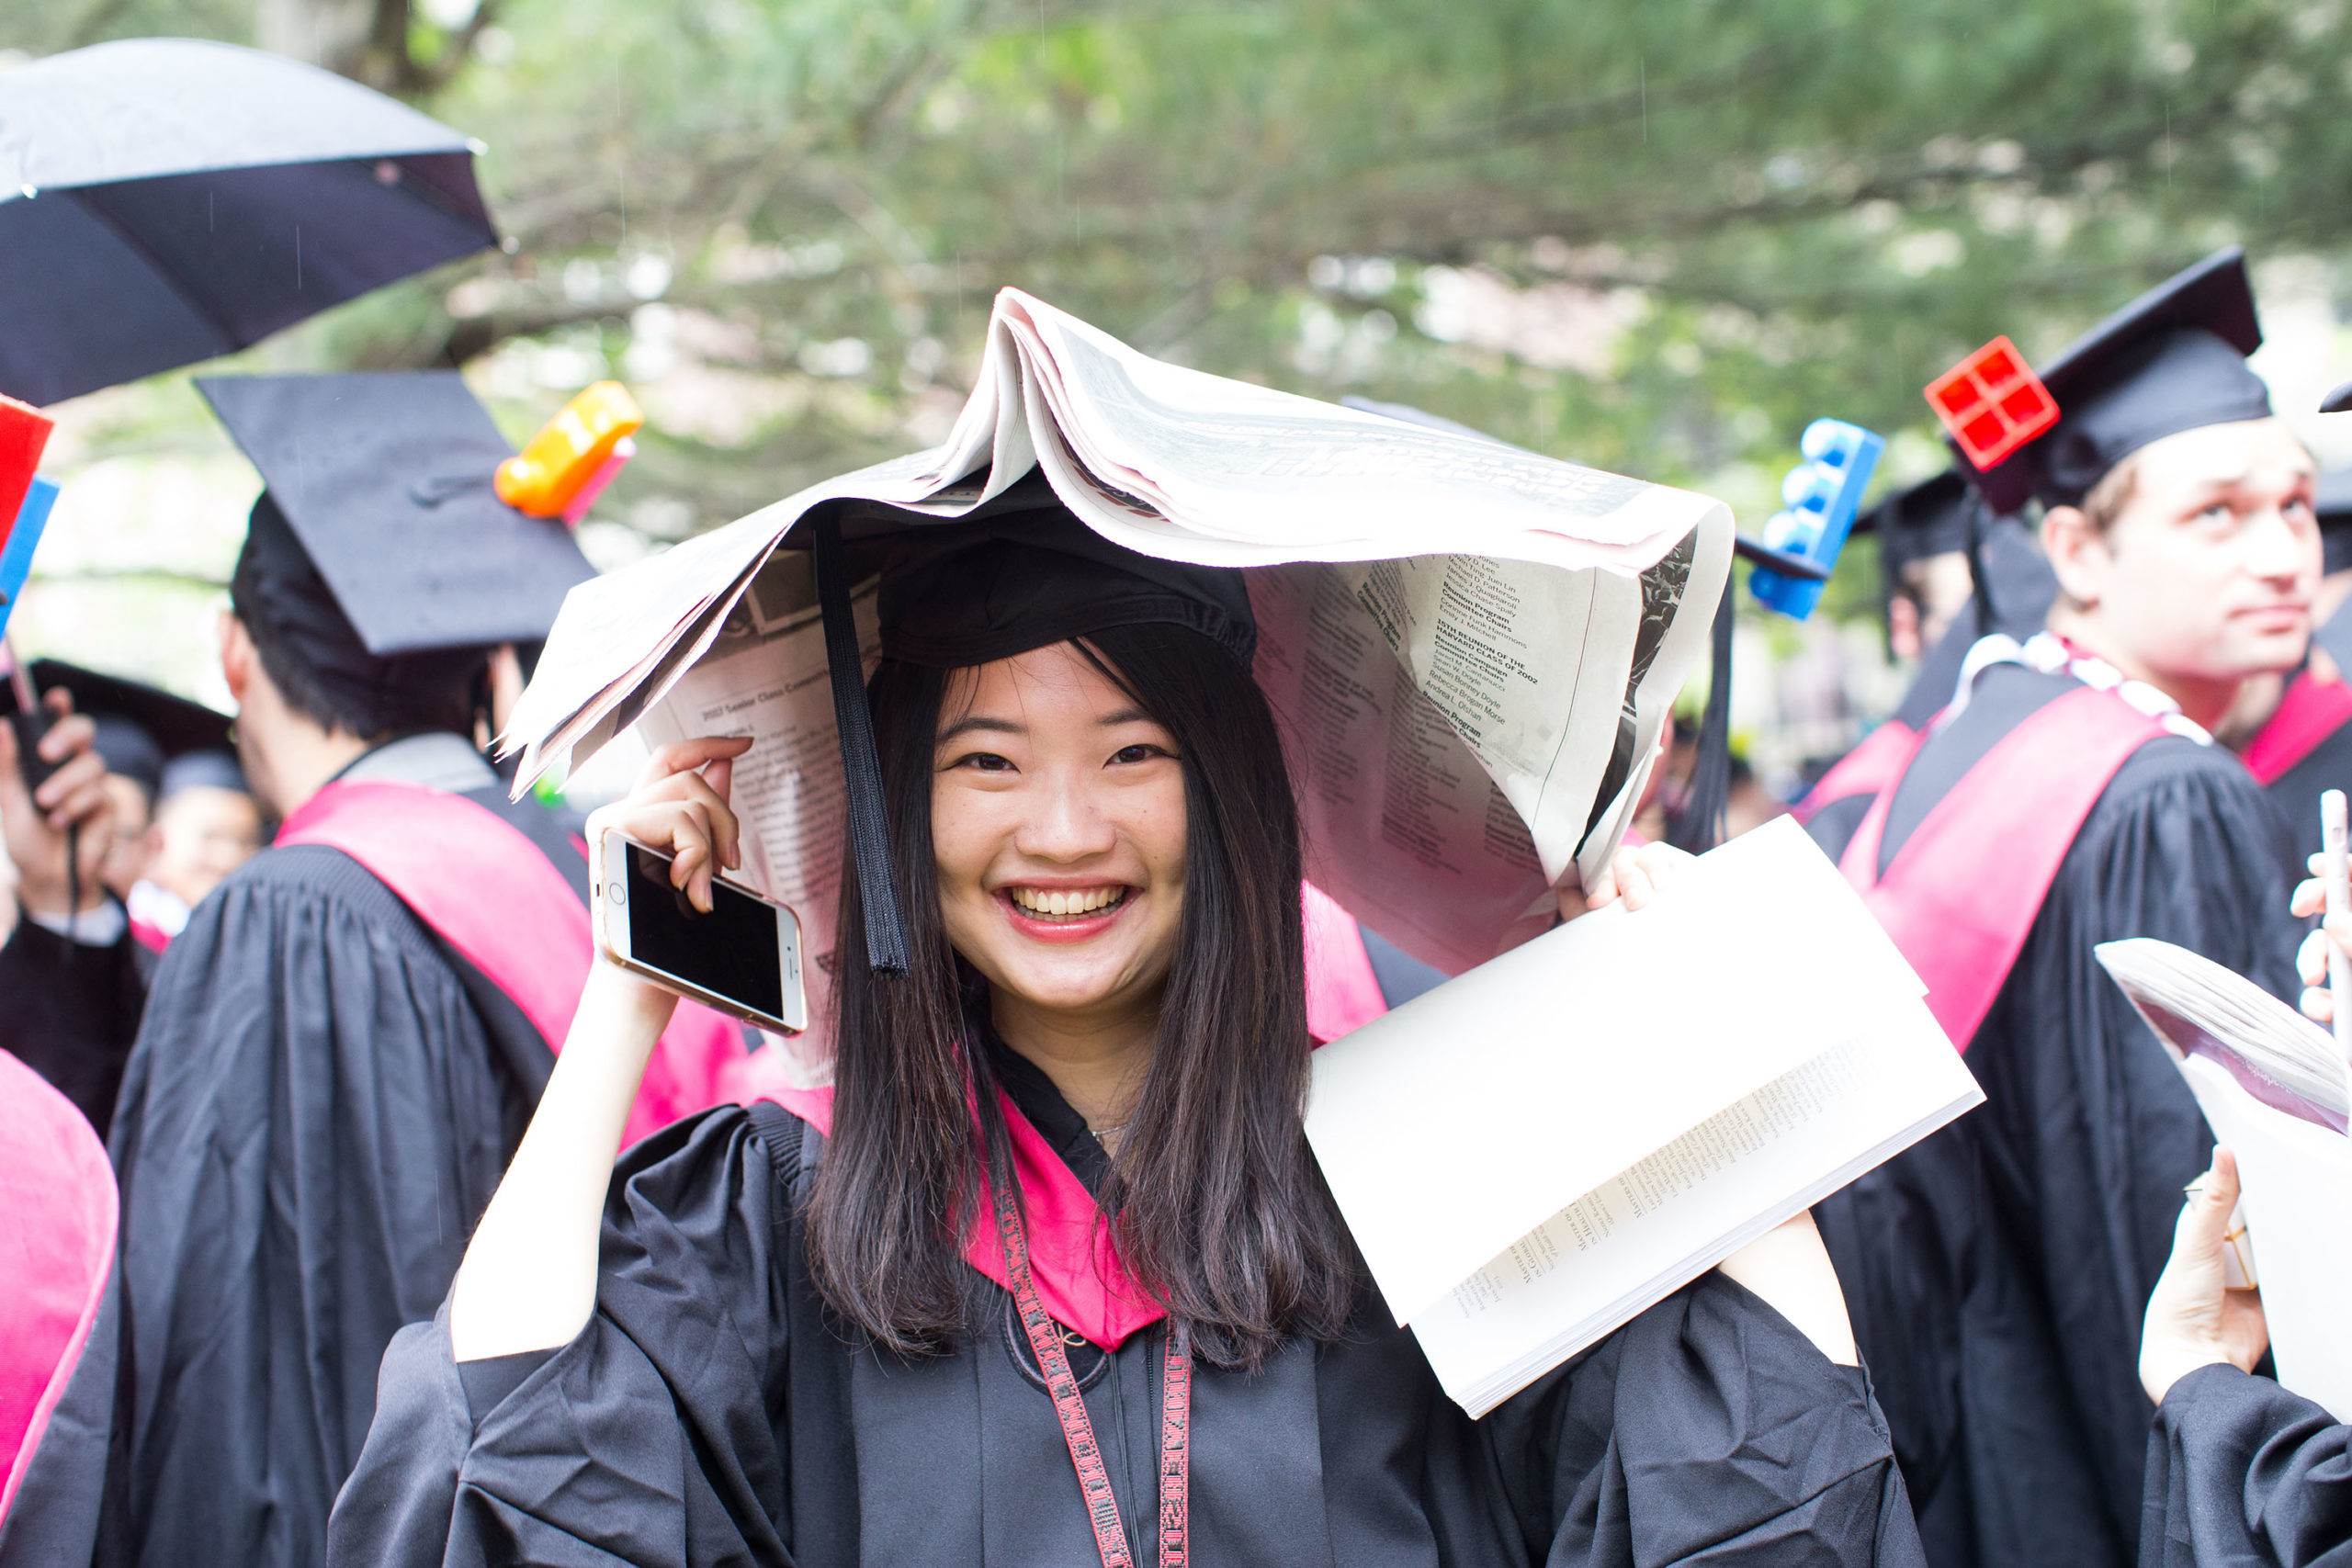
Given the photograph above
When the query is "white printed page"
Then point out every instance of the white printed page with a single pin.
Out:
(2298, 1207)
(1533, 1079)
(1401, 824)
(1527, 664)
(1651, 1229)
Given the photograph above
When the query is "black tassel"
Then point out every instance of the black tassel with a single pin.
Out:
(1981, 582)
(869, 828)
(1699, 827)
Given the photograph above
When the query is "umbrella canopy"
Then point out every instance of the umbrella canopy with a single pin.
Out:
(166, 200)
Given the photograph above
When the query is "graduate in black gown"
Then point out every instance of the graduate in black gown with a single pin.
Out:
(74, 972)
(323, 1090)
(1997, 1272)
(1951, 575)
(2297, 729)
(807, 1333)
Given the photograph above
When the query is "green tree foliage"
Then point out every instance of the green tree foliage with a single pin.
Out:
(1657, 235)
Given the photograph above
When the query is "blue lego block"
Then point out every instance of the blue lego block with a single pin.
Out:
(1822, 495)
(16, 554)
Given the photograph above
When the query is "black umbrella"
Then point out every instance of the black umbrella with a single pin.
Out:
(166, 200)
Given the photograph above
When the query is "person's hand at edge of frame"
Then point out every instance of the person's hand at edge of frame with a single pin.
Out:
(2194, 1319)
(73, 801)
(2311, 959)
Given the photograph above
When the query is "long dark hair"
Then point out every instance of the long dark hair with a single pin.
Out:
(1215, 1200)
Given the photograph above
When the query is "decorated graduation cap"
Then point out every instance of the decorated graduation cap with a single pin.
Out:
(2174, 359)
(380, 552)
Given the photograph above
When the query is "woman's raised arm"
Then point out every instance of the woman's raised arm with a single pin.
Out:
(528, 1281)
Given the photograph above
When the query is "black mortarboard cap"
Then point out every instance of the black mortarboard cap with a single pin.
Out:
(2338, 400)
(2174, 359)
(1008, 584)
(1931, 518)
(141, 727)
(1018, 574)
(384, 480)
(202, 770)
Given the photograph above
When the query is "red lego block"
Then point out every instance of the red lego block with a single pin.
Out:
(24, 431)
(1992, 402)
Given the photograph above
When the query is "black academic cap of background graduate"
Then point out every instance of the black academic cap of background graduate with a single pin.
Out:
(141, 727)
(2174, 359)
(202, 770)
(384, 480)
(1933, 517)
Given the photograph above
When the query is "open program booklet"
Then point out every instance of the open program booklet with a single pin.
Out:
(1472, 649)
(2273, 1088)
(1535, 1151)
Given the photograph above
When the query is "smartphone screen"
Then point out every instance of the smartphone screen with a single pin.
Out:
(731, 952)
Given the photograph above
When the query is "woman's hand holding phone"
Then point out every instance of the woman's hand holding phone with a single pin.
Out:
(679, 808)
(529, 1278)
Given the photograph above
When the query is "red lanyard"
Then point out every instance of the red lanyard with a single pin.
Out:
(1077, 1429)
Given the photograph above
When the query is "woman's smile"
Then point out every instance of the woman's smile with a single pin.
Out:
(1064, 914)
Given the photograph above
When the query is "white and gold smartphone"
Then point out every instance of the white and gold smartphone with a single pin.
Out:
(743, 957)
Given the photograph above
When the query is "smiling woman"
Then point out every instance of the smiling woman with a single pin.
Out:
(1050, 1274)
(1138, 770)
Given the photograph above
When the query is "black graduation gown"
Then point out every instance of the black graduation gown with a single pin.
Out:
(70, 1011)
(2242, 1471)
(710, 1413)
(2296, 793)
(1997, 1272)
(2329, 765)
(322, 1100)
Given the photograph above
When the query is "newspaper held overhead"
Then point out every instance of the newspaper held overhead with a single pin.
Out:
(1472, 649)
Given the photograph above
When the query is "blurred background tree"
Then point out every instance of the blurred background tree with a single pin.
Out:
(1656, 237)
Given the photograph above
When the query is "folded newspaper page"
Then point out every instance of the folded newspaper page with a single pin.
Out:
(2273, 1088)
(1472, 649)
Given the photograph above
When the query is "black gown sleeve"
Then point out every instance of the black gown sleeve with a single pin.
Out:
(71, 1012)
(2242, 1471)
(650, 1439)
(1708, 1431)
(312, 1121)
